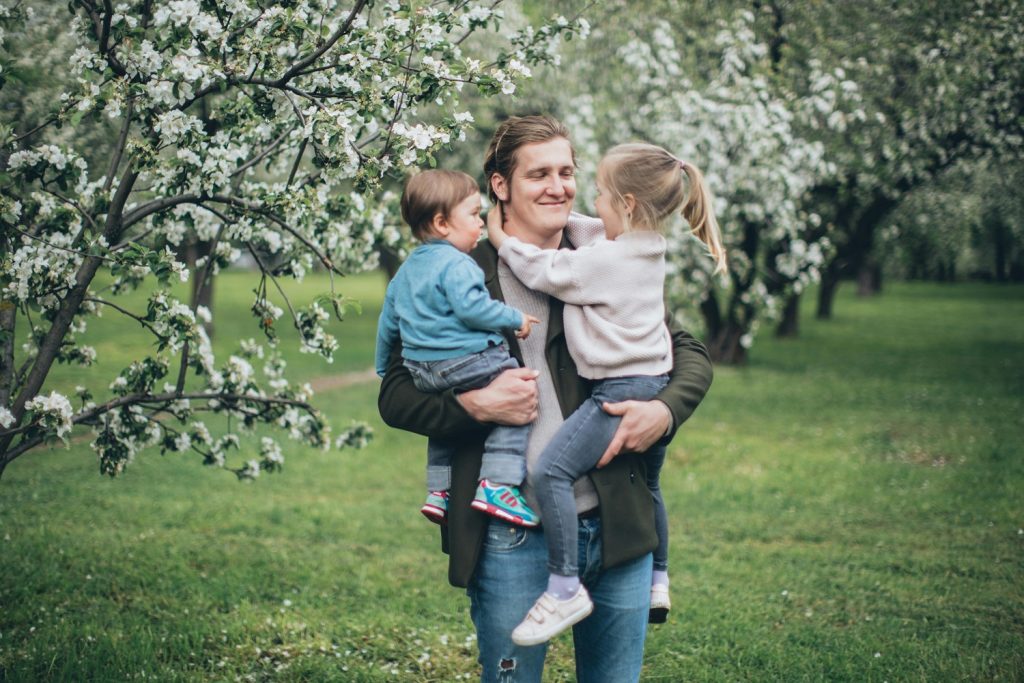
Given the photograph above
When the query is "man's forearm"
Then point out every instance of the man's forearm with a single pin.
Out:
(403, 406)
(690, 378)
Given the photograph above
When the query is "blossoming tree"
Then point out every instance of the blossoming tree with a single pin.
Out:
(712, 101)
(258, 127)
(939, 86)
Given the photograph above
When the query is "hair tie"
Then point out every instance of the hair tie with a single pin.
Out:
(682, 164)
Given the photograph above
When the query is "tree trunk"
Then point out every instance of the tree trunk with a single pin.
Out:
(200, 295)
(869, 278)
(8, 317)
(827, 292)
(789, 325)
(1001, 244)
(712, 315)
(725, 347)
(390, 262)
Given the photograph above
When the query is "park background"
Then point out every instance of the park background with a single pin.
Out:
(846, 503)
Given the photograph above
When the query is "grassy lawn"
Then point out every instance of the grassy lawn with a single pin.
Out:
(848, 507)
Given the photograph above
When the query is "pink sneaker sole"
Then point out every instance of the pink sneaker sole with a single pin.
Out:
(495, 511)
(435, 514)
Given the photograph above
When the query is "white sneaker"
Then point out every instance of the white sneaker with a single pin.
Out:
(549, 616)
(660, 604)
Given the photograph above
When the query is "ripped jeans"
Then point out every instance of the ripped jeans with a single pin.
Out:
(512, 573)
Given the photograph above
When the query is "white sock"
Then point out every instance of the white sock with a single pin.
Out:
(563, 587)
(659, 578)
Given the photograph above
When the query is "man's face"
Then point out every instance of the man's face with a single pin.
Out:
(538, 197)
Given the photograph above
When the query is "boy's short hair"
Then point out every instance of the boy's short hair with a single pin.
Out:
(433, 192)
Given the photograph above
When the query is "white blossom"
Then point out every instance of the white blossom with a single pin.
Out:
(54, 412)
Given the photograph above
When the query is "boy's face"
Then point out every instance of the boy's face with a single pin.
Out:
(462, 225)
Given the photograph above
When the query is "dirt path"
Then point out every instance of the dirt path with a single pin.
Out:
(345, 379)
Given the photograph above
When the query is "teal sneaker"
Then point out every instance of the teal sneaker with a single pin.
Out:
(504, 502)
(436, 507)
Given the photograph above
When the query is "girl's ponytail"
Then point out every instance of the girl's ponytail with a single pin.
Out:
(698, 210)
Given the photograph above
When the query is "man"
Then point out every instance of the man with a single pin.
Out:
(530, 168)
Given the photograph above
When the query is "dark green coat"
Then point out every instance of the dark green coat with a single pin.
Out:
(627, 513)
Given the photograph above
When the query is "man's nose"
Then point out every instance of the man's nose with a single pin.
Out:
(556, 185)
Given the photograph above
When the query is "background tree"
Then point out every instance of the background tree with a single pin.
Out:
(940, 84)
(706, 89)
(268, 128)
(968, 222)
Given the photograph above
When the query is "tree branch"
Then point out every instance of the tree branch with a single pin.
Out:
(69, 307)
(136, 318)
(266, 273)
(262, 155)
(75, 205)
(8, 318)
(89, 416)
(316, 54)
(122, 139)
(54, 246)
(157, 205)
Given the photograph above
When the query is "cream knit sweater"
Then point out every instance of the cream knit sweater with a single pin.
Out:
(614, 315)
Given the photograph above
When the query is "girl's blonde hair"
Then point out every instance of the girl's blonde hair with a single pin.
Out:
(654, 178)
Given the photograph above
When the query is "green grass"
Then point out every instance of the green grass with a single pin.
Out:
(847, 508)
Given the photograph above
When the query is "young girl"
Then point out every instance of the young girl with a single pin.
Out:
(449, 327)
(614, 321)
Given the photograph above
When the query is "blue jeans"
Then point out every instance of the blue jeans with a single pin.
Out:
(574, 450)
(504, 459)
(510, 576)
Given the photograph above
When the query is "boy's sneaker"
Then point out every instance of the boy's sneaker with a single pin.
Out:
(660, 604)
(504, 502)
(436, 507)
(550, 616)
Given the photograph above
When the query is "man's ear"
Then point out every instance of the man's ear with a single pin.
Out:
(500, 187)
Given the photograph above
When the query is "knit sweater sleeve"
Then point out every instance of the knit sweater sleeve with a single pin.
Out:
(566, 274)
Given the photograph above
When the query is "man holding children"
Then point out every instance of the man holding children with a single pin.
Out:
(500, 557)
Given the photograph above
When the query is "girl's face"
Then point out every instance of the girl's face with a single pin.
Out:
(608, 210)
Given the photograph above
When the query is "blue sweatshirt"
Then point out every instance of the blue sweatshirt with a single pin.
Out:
(437, 307)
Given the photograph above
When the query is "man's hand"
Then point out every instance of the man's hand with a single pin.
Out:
(495, 220)
(511, 399)
(528, 321)
(643, 423)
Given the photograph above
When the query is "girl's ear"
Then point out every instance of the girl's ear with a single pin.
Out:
(629, 203)
(499, 186)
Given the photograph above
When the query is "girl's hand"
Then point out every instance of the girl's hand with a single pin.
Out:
(524, 331)
(495, 233)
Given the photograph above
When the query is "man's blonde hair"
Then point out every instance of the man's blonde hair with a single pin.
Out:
(513, 133)
(431, 193)
(660, 184)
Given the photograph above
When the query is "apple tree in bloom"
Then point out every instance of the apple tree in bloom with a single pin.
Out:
(939, 86)
(967, 222)
(270, 129)
(716, 105)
